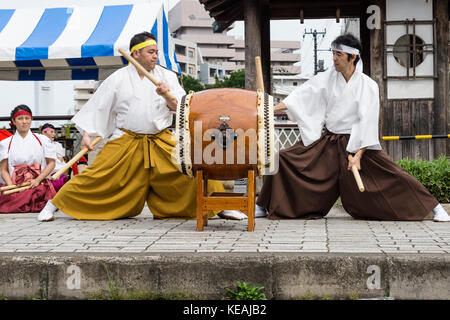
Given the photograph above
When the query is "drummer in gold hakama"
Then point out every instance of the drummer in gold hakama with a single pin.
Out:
(135, 166)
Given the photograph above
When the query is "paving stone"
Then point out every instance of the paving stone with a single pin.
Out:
(337, 233)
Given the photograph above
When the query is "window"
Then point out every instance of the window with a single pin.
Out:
(408, 50)
(294, 83)
(190, 53)
(180, 50)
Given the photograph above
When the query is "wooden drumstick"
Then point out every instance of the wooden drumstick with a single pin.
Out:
(259, 75)
(144, 72)
(356, 175)
(13, 186)
(74, 159)
(16, 190)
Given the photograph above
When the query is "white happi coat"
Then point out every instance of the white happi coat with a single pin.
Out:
(26, 150)
(124, 100)
(327, 100)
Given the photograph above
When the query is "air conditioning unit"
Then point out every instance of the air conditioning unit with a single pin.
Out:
(83, 92)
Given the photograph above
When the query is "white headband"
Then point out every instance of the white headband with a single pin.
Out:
(344, 48)
(349, 50)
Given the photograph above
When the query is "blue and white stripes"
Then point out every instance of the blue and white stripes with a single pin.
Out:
(74, 43)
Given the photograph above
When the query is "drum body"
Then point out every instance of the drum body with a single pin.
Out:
(223, 133)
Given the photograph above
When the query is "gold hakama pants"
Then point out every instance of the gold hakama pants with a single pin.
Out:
(126, 173)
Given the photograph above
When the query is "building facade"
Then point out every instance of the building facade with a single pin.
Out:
(220, 54)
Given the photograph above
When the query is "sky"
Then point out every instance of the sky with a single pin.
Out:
(293, 30)
(57, 98)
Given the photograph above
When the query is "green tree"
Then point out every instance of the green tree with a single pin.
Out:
(190, 83)
(235, 80)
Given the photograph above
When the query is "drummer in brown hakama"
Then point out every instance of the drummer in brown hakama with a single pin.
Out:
(337, 112)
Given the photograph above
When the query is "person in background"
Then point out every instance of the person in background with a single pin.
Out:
(3, 135)
(50, 131)
(26, 157)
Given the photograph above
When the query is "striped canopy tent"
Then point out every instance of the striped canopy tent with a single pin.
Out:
(78, 43)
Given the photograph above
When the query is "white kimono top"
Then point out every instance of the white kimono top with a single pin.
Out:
(124, 100)
(60, 152)
(26, 150)
(327, 100)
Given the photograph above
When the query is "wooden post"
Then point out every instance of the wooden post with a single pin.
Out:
(265, 46)
(251, 200)
(364, 36)
(259, 74)
(205, 194)
(252, 22)
(441, 84)
(377, 62)
(199, 200)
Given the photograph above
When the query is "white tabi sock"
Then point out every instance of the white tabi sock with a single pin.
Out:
(260, 211)
(232, 215)
(440, 215)
(47, 213)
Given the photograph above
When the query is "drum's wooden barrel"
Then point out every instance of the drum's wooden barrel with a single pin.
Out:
(222, 132)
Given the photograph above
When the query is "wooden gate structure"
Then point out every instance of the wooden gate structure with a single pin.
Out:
(414, 100)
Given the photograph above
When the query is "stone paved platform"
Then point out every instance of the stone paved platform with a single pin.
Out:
(337, 233)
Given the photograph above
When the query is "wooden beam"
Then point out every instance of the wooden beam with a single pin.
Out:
(313, 13)
(229, 11)
(313, 4)
(228, 18)
(265, 46)
(377, 61)
(252, 25)
(441, 84)
(364, 36)
(211, 5)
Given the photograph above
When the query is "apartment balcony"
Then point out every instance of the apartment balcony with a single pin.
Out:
(185, 59)
(274, 57)
(285, 57)
(207, 39)
(230, 66)
(238, 56)
(217, 53)
(285, 70)
(275, 44)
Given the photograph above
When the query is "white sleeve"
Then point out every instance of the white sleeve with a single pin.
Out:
(48, 147)
(364, 133)
(307, 105)
(170, 78)
(95, 117)
(60, 151)
(4, 148)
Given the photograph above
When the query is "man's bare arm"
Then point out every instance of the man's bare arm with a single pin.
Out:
(279, 107)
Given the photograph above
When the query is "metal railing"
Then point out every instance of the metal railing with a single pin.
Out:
(286, 134)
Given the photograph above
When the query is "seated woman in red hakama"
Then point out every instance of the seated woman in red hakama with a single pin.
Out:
(26, 157)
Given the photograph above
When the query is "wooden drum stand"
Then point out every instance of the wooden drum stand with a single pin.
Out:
(224, 201)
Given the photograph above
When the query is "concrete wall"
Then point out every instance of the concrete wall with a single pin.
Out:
(283, 275)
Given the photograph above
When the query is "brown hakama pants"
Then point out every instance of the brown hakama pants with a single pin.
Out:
(310, 179)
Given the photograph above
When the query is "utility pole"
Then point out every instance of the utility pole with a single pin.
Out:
(314, 34)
